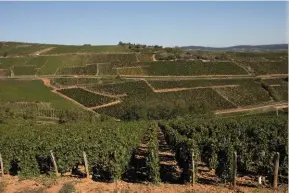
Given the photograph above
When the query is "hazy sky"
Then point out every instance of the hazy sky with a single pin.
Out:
(162, 23)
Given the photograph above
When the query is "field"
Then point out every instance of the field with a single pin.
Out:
(248, 93)
(86, 98)
(145, 57)
(79, 70)
(21, 49)
(31, 91)
(140, 120)
(187, 68)
(38, 61)
(168, 84)
(6, 63)
(79, 49)
(142, 103)
(275, 67)
(24, 70)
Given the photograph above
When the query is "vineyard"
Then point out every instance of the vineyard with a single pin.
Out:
(86, 98)
(142, 103)
(275, 67)
(111, 148)
(133, 113)
(79, 70)
(31, 91)
(108, 147)
(24, 70)
(248, 93)
(186, 68)
(168, 84)
(255, 139)
(85, 49)
(15, 49)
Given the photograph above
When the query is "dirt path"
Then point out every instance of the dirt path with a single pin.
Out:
(106, 105)
(12, 184)
(169, 169)
(243, 109)
(193, 88)
(43, 51)
(197, 76)
(154, 57)
(129, 67)
(271, 75)
(47, 83)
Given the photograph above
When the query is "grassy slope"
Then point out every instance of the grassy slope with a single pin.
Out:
(249, 93)
(158, 84)
(141, 95)
(86, 98)
(72, 49)
(31, 91)
(186, 68)
(21, 49)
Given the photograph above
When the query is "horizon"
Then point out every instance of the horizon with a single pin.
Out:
(170, 24)
(135, 43)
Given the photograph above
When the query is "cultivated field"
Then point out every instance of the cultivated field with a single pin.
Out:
(129, 117)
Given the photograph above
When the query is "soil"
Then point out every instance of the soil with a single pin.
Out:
(154, 57)
(106, 105)
(12, 184)
(43, 51)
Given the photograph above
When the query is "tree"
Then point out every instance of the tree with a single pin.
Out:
(121, 43)
(5, 54)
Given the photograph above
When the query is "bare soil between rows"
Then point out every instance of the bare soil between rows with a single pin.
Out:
(12, 184)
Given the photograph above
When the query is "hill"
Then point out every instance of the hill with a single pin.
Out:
(137, 113)
(242, 48)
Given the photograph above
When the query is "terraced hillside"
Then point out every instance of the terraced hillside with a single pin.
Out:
(110, 79)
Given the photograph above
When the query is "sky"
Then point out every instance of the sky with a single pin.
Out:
(217, 24)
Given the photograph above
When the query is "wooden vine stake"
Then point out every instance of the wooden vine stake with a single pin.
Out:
(86, 164)
(1, 165)
(276, 168)
(234, 170)
(54, 163)
(193, 169)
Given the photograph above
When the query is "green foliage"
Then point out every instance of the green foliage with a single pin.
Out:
(108, 146)
(81, 49)
(145, 57)
(31, 91)
(277, 88)
(167, 84)
(255, 139)
(20, 49)
(6, 63)
(142, 103)
(248, 93)
(272, 92)
(183, 148)
(153, 155)
(189, 68)
(86, 98)
(24, 70)
(79, 70)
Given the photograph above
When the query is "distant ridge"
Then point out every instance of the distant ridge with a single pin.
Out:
(242, 48)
